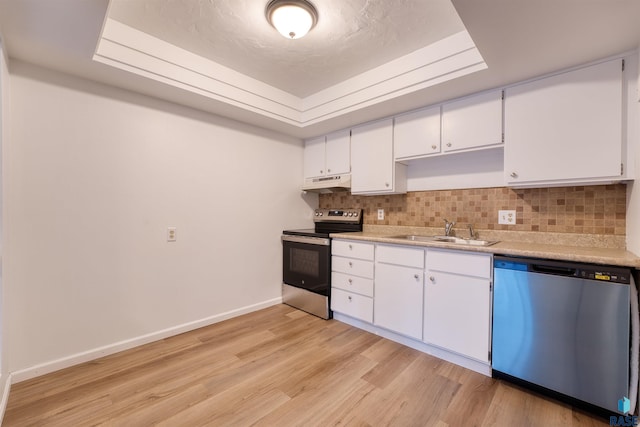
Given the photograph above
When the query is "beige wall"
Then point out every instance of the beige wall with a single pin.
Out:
(94, 177)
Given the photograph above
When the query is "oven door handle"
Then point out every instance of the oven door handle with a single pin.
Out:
(321, 241)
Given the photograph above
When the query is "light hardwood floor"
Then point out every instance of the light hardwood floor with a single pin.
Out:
(278, 367)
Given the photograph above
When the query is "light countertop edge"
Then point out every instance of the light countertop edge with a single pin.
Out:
(605, 256)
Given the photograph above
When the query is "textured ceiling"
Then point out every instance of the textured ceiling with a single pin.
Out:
(351, 36)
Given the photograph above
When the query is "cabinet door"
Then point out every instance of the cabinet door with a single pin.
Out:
(397, 303)
(565, 128)
(372, 157)
(417, 134)
(457, 313)
(372, 164)
(314, 157)
(472, 122)
(338, 151)
(354, 305)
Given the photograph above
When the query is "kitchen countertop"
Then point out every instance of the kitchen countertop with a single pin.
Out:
(559, 251)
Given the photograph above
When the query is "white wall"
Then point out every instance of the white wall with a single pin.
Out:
(4, 133)
(94, 175)
(633, 129)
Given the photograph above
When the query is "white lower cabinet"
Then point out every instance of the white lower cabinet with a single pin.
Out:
(436, 300)
(397, 305)
(457, 301)
(352, 304)
(352, 279)
(398, 287)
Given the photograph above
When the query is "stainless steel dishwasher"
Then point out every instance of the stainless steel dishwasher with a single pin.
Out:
(563, 328)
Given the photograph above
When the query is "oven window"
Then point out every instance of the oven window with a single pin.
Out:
(304, 261)
(307, 266)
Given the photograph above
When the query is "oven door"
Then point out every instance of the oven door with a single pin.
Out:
(306, 263)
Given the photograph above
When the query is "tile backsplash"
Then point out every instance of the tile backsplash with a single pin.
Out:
(599, 209)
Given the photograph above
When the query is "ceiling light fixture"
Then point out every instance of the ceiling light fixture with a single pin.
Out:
(292, 18)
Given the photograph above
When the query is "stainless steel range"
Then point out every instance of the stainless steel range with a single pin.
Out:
(306, 260)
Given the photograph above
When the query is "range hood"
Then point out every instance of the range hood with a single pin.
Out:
(327, 184)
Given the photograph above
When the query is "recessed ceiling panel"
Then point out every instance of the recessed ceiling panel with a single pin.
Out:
(350, 38)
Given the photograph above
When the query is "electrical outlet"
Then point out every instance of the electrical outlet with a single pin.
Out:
(507, 217)
(380, 214)
(171, 234)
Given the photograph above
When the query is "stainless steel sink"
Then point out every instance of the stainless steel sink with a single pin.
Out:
(446, 239)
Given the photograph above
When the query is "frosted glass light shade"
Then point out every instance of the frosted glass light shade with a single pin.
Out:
(292, 19)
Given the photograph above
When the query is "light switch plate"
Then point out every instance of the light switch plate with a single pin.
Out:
(507, 217)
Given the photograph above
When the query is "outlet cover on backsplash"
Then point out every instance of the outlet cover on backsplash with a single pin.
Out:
(507, 217)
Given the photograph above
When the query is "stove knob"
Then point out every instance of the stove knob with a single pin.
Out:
(321, 213)
(355, 214)
(317, 213)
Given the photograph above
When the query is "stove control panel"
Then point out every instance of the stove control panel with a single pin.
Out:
(337, 215)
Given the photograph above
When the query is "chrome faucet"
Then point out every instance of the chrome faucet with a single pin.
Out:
(472, 233)
(448, 226)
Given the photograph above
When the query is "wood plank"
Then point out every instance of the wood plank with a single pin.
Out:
(278, 366)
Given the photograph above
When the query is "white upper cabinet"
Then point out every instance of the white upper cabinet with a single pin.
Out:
(314, 152)
(373, 169)
(338, 152)
(566, 128)
(330, 155)
(472, 122)
(417, 133)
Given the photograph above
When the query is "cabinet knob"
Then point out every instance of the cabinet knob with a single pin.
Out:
(350, 281)
(432, 279)
(448, 144)
(514, 175)
(433, 147)
(350, 247)
(386, 184)
(350, 264)
(321, 171)
(415, 276)
(349, 298)
(328, 170)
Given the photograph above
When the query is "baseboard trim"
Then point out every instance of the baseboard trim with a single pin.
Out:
(5, 382)
(75, 359)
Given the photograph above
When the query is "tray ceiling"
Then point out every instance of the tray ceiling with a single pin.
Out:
(364, 61)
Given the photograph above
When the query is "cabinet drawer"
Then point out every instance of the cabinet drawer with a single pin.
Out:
(353, 305)
(410, 257)
(356, 267)
(352, 249)
(463, 263)
(352, 283)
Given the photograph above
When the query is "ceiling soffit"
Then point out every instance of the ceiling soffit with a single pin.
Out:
(350, 37)
(135, 51)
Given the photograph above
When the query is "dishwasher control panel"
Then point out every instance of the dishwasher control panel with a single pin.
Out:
(604, 273)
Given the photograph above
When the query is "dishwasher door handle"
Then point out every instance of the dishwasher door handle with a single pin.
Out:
(553, 269)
